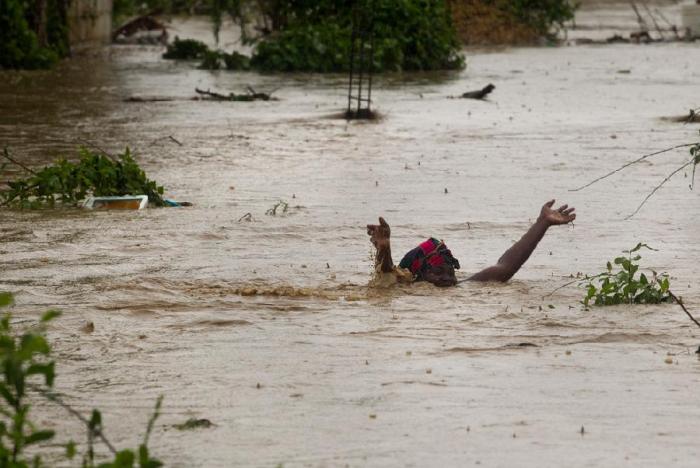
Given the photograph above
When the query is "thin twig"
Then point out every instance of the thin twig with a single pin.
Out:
(6, 153)
(94, 146)
(680, 303)
(56, 399)
(640, 20)
(577, 280)
(663, 17)
(653, 20)
(630, 163)
(668, 177)
(174, 139)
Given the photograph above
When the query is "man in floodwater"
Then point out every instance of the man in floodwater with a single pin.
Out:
(432, 261)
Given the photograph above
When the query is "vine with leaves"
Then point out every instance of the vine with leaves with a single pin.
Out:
(95, 173)
(27, 370)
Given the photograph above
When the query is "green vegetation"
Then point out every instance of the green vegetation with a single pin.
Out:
(27, 372)
(185, 49)
(29, 39)
(281, 205)
(541, 15)
(68, 183)
(624, 286)
(217, 60)
(314, 36)
(190, 49)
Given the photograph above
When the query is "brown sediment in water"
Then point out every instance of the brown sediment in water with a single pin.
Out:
(162, 287)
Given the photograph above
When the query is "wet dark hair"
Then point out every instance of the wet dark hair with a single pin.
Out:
(440, 275)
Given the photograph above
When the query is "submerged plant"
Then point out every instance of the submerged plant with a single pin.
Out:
(316, 36)
(185, 49)
(281, 205)
(26, 366)
(68, 183)
(624, 286)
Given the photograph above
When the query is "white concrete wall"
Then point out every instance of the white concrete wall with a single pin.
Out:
(90, 22)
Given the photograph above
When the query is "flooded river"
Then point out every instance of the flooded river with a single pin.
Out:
(310, 366)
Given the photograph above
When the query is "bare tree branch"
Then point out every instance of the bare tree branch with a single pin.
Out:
(6, 154)
(631, 163)
(54, 397)
(680, 303)
(668, 177)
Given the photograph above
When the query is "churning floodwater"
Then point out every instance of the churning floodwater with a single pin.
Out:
(266, 326)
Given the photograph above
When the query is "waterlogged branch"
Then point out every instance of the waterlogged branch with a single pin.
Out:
(6, 154)
(668, 177)
(577, 280)
(55, 398)
(680, 303)
(631, 163)
(94, 146)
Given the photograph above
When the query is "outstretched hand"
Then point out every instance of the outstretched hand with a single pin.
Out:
(561, 215)
(379, 234)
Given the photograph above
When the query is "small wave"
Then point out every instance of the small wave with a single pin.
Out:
(624, 338)
(508, 347)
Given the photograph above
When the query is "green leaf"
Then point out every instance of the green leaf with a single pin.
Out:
(47, 370)
(6, 299)
(95, 420)
(70, 450)
(39, 436)
(50, 315)
(31, 344)
(7, 395)
(124, 459)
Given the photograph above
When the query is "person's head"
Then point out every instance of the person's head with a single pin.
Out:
(440, 275)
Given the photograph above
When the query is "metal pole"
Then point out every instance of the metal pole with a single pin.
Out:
(353, 35)
(371, 64)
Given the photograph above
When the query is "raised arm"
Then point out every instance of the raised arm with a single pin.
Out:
(513, 258)
(380, 235)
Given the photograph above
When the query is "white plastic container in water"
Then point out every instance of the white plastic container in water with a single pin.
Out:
(127, 202)
(690, 18)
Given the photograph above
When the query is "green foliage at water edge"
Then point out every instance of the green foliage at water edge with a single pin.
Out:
(314, 36)
(185, 49)
(30, 39)
(620, 284)
(542, 15)
(94, 174)
(26, 367)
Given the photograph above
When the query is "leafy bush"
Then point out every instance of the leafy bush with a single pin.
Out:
(25, 365)
(185, 49)
(216, 60)
(315, 36)
(624, 287)
(318, 48)
(236, 61)
(542, 15)
(68, 183)
(19, 44)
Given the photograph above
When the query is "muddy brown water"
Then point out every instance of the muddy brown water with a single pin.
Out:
(268, 328)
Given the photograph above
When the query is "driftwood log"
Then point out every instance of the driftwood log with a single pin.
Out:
(251, 95)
